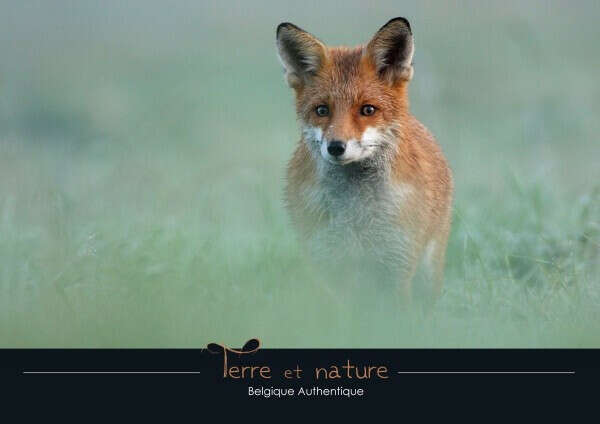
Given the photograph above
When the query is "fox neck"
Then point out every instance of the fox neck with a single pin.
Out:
(354, 185)
(368, 174)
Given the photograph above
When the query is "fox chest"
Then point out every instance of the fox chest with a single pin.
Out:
(359, 221)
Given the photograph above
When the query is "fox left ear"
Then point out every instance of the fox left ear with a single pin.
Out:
(391, 50)
(301, 53)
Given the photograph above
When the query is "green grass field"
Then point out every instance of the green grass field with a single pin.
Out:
(142, 156)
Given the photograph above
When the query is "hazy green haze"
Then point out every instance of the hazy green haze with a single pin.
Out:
(143, 148)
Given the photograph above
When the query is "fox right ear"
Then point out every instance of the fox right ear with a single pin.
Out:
(301, 54)
(391, 50)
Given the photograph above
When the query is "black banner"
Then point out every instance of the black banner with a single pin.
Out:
(254, 374)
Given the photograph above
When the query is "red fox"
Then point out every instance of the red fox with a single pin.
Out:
(367, 179)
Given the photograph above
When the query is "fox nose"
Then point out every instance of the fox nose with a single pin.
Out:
(336, 148)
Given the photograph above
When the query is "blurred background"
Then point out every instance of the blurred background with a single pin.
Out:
(143, 146)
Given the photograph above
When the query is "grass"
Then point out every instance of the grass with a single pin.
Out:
(141, 181)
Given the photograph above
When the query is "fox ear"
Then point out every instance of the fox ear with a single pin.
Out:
(391, 50)
(301, 54)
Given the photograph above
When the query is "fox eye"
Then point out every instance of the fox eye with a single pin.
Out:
(367, 110)
(322, 110)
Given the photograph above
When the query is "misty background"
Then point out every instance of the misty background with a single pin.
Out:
(143, 147)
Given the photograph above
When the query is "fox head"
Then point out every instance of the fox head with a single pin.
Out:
(350, 101)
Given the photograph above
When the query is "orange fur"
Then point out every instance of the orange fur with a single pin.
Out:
(418, 181)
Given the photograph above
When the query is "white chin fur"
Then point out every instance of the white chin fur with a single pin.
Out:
(355, 150)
